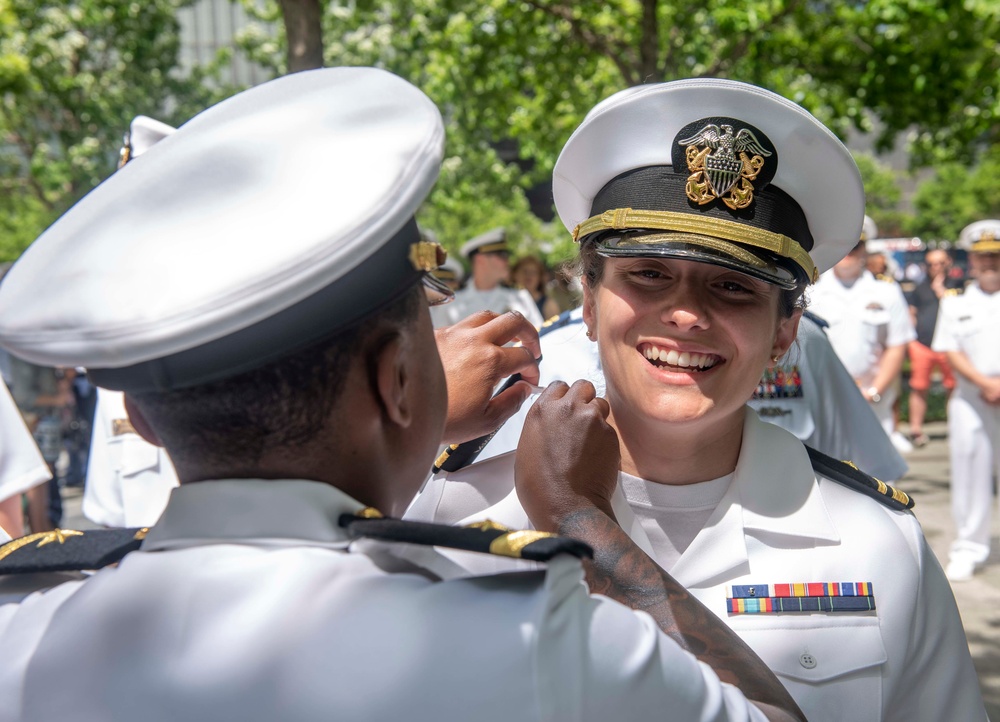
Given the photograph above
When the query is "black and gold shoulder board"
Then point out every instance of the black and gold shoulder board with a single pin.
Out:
(556, 322)
(846, 473)
(486, 537)
(67, 550)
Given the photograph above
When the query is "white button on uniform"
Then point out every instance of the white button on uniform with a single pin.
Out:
(807, 660)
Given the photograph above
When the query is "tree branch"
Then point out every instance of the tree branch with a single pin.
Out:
(588, 37)
(729, 56)
(649, 45)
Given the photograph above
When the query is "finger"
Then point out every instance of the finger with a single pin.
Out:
(582, 390)
(554, 391)
(512, 325)
(507, 403)
(517, 360)
(603, 406)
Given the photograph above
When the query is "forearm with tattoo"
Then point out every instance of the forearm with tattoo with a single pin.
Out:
(622, 571)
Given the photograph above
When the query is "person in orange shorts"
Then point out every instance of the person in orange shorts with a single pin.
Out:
(924, 301)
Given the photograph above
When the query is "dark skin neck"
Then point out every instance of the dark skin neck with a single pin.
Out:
(356, 458)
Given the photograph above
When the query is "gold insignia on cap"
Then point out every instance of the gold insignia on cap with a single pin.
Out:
(125, 154)
(369, 512)
(426, 256)
(42, 537)
(716, 174)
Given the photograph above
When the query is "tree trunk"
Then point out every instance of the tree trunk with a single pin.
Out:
(304, 33)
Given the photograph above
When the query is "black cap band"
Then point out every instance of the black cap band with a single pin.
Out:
(661, 188)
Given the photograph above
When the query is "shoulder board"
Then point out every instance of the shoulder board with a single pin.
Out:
(557, 322)
(819, 321)
(66, 550)
(953, 292)
(885, 278)
(486, 537)
(846, 473)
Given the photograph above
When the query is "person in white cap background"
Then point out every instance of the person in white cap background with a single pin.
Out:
(968, 331)
(21, 466)
(703, 208)
(488, 256)
(870, 328)
(128, 479)
(299, 392)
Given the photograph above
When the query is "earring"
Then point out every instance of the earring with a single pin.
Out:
(590, 334)
(774, 359)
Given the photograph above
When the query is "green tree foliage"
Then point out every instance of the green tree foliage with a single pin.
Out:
(526, 71)
(72, 76)
(956, 196)
(882, 196)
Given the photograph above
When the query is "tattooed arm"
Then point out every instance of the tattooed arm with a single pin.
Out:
(566, 470)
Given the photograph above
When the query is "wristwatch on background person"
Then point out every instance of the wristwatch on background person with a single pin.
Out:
(873, 395)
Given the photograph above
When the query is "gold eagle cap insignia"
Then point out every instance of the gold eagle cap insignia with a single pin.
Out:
(723, 164)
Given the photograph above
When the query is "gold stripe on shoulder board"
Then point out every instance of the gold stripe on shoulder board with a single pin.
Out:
(511, 545)
(42, 537)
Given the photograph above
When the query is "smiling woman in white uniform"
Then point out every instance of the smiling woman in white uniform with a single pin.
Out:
(703, 209)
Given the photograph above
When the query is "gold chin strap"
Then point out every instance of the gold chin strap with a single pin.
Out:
(630, 219)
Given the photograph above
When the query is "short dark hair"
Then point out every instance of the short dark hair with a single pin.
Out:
(283, 404)
(591, 268)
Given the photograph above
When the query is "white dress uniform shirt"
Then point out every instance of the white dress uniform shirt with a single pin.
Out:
(970, 323)
(128, 479)
(829, 395)
(865, 319)
(21, 464)
(906, 660)
(470, 300)
(248, 602)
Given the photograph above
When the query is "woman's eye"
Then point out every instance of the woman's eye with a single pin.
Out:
(735, 287)
(645, 273)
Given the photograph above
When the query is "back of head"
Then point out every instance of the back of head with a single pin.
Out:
(225, 277)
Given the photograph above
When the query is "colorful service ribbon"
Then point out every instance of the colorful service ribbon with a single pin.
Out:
(800, 597)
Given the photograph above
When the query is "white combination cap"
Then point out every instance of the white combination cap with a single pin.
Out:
(493, 241)
(143, 133)
(869, 231)
(715, 171)
(981, 237)
(265, 224)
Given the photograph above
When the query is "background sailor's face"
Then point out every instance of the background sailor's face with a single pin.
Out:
(985, 267)
(682, 341)
(851, 266)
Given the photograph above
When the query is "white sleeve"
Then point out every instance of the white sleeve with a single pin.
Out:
(102, 498)
(599, 661)
(900, 325)
(21, 464)
(834, 397)
(944, 329)
(938, 681)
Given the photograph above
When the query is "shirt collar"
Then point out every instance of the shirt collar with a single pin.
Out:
(291, 512)
(777, 485)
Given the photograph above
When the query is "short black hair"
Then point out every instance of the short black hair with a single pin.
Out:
(284, 404)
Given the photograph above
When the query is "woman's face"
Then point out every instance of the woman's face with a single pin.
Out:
(682, 341)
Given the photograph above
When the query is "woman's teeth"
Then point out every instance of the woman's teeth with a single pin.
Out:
(682, 359)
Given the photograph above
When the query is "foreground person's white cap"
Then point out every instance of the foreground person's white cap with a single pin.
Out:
(265, 224)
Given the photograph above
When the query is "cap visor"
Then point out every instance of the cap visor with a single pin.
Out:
(701, 249)
(436, 290)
